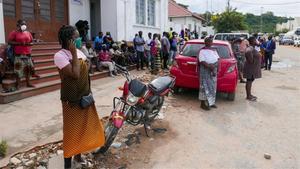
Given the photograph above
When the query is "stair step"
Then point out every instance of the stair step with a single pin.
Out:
(43, 62)
(46, 69)
(41, 56)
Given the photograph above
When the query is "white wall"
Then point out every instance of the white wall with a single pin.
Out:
(121, 21)
(109, 17)
(79, 12)
(2, 30)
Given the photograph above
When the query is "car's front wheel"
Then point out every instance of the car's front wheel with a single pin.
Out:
(231, 96)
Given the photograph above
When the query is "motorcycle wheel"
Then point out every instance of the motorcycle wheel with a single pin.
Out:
(157, 108)
(110, 134)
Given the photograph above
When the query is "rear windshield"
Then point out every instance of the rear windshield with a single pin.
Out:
(192, 50)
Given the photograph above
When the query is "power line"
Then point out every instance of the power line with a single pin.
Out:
(265, 4)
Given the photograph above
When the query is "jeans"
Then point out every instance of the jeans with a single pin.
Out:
(148, 58)
(172, 56)
(140, 60)
(268, 60)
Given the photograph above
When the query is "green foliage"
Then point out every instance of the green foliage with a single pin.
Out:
(3, 148)
(267, 19)
(229, 21)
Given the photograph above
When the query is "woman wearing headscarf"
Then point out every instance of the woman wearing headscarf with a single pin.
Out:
(208, 66)
(82, 128)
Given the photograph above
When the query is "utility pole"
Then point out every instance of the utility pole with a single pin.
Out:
(228, 5)
(261, 19)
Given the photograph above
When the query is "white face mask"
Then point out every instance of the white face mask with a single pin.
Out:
(23, 27)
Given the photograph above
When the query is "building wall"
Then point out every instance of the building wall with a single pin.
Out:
(2, 30)
(109, 17)
(79, 12)
(122, 23)
(189, 22)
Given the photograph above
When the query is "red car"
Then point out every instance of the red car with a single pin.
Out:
(185, 64)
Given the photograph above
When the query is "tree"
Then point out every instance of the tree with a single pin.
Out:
(229, 21)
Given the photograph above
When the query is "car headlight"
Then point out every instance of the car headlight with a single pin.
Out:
(131, 99)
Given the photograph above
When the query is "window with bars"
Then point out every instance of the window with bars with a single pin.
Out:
(60, 10)
(45, 10)
(27, 9)
(9, 8)
(151, 12)
(140, 11)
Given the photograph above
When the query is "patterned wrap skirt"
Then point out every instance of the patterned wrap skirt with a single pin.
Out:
(208, 84)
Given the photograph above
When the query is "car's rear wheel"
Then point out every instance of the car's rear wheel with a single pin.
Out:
(231, 96)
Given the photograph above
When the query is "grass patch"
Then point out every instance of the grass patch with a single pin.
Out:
(3, 148)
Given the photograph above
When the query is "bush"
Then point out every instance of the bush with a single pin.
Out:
(3, 148)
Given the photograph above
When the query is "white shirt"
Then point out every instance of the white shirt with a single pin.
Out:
(209, 56)
(147, 44)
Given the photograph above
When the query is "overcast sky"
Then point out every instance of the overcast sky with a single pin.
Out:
(279, 7)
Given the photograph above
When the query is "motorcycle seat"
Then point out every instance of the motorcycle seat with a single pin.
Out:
(161, 84)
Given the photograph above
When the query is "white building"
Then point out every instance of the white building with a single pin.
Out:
(131, 16)
(123, 18)
(180, 18)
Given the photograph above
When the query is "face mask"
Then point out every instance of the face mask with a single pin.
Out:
(23, 27)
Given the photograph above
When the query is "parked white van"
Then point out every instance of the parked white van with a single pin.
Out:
(230, 36)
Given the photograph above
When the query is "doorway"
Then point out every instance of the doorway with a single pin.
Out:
(95, 13)
(43, 17)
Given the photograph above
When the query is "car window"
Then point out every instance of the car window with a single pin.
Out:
(218, 37)
(192, 50)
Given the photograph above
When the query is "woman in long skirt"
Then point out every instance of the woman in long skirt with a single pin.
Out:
(208, 66)
(82, 128)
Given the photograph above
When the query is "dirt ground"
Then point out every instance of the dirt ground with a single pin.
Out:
(236, 135)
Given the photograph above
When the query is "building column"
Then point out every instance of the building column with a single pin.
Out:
(2, 30)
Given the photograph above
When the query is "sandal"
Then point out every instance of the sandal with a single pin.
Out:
(253, 99)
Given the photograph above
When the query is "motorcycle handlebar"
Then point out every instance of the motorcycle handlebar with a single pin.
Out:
(121, 68)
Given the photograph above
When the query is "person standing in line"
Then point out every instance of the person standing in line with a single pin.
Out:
(207, 70)
(21, 40)
(252, 68)
(270, 50)
(239, 57)
(139, 43)
(147, 50)
(82, 128)
(173, 47)
(165, 44)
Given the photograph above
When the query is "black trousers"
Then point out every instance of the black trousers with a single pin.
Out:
(165, 58)
(140, 60)
(268, 60)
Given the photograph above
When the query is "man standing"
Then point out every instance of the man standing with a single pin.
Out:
(147, 50)
(21, 40)
(270, 50)
(165, 43)
(139, 43)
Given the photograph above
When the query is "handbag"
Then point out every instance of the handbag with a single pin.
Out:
(88, 100)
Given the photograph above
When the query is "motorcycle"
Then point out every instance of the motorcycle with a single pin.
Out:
(139, 104)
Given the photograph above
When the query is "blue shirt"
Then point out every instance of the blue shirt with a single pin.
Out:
(140, 48)
(98, 41)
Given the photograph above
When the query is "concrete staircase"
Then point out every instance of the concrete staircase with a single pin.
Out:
(42, 55)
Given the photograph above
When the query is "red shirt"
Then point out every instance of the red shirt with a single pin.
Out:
(22, 37)
(104, 56)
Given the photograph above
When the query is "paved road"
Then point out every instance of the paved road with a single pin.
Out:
(236, 135)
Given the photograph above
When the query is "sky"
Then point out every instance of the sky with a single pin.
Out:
(289, 8)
